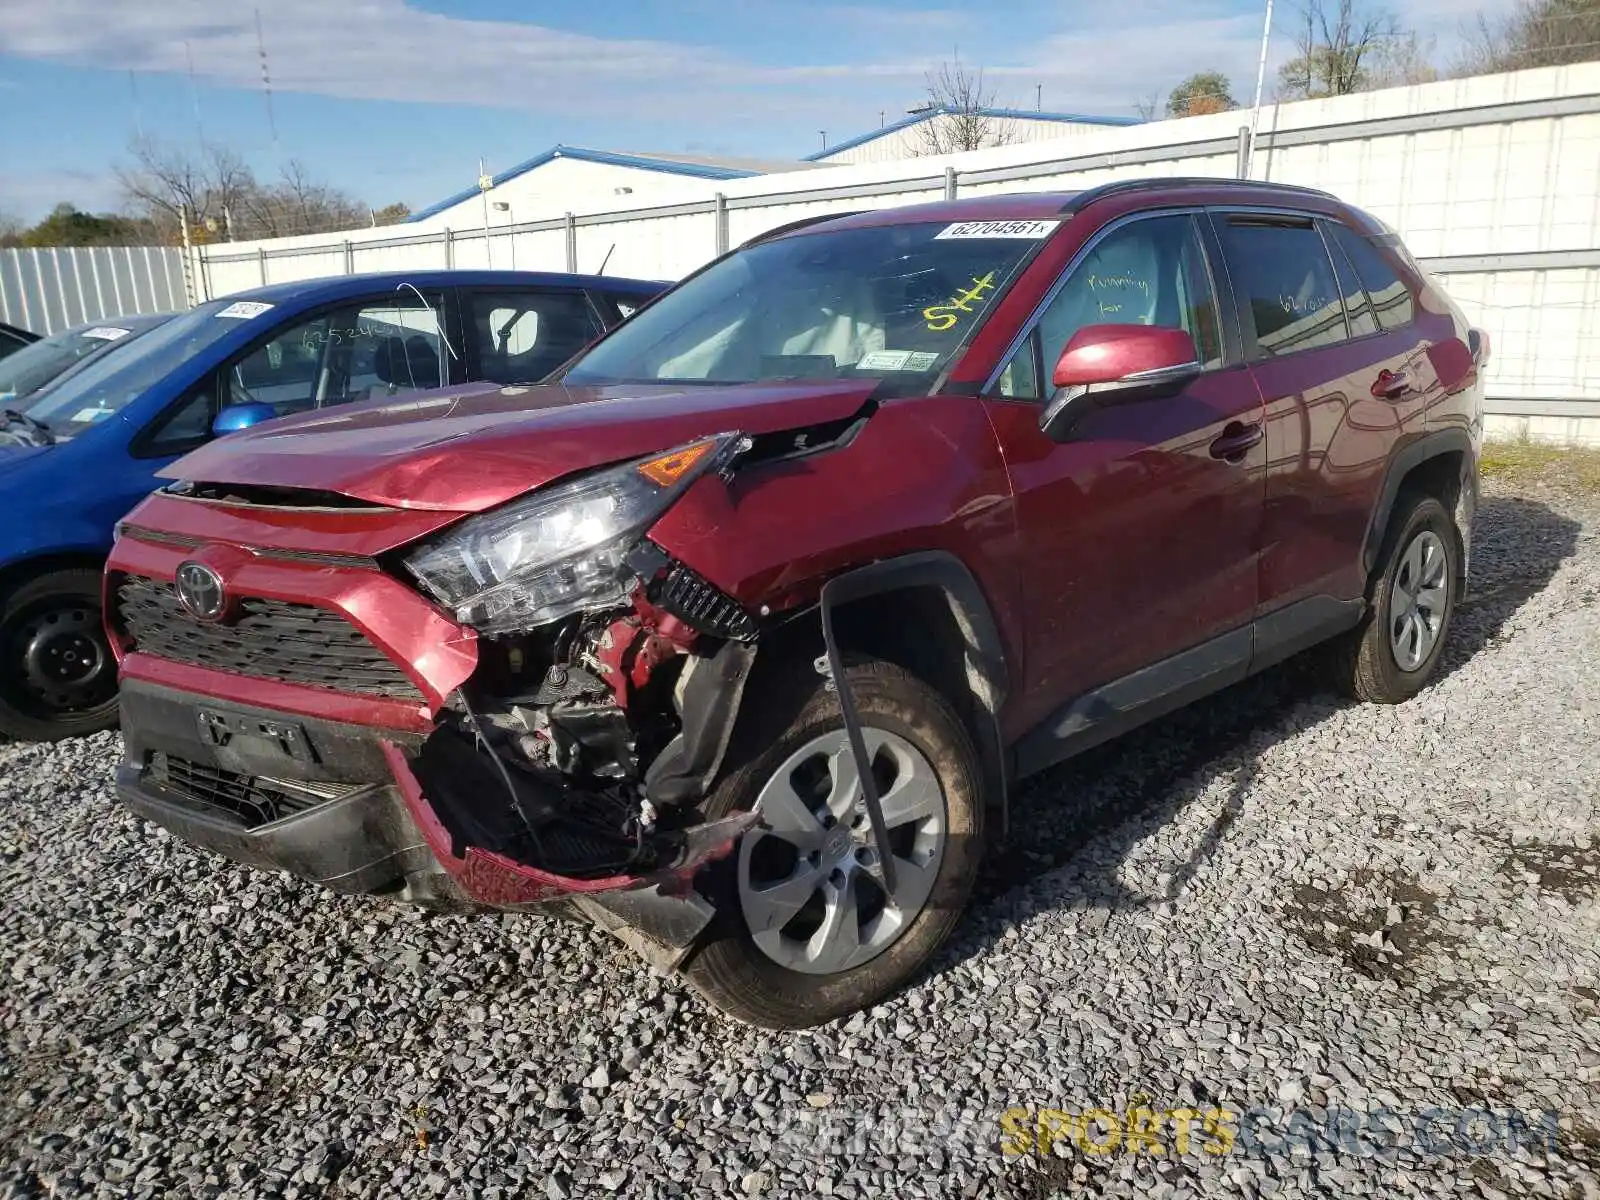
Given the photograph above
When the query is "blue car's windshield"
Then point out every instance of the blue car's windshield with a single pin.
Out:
(26, 371)
(104, 387)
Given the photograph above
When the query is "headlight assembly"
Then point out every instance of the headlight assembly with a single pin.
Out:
(563, 549)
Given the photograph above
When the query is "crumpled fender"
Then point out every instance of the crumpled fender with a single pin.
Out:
(494, 880)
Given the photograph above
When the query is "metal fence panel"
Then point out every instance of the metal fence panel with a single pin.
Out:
(48, 290)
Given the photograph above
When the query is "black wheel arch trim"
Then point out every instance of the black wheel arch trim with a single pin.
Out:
(1405, 460)
(984, 654)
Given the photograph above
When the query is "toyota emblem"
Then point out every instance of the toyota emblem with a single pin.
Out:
(200, 591)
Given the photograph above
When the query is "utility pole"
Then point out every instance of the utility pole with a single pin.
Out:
(1261, 79)
(485, 182)
(190, 291)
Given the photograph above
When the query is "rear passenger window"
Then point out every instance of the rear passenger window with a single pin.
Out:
(1390, 296)
(524, 336)
(1284, 272)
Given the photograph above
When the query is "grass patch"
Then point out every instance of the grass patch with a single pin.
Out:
(1536, 462)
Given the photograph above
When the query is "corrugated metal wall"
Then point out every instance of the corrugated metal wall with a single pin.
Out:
(51, 290)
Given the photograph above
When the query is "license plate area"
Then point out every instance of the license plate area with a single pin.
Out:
(242, 737)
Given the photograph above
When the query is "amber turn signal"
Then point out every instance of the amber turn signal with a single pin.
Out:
(667, 469)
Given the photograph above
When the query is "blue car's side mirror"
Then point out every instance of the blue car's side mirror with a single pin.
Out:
(241, 416)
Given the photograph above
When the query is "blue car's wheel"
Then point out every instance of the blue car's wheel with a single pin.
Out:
(57, 676)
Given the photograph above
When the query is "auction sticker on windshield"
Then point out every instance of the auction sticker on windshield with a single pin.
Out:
(897, 360)
(243, 310)
(1030, 230)
(105, 333)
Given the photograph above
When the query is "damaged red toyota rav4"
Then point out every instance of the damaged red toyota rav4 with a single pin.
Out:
(731, 637)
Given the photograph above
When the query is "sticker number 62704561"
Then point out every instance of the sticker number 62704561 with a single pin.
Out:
(1027, 230)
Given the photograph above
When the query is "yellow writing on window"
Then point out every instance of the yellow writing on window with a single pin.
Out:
(943, 317)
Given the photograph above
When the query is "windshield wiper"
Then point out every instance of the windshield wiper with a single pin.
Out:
(42, 435)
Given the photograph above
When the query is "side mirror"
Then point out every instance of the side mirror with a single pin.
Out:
(1113, 364)
(241, 416)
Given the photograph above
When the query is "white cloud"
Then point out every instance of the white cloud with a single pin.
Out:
(1096, 59)
(385, 49)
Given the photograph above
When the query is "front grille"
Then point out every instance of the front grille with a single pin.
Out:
(701, 604)
(254, 799)
(267, 639)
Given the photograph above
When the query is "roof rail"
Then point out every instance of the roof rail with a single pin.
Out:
(1085, 198)
(802, 223)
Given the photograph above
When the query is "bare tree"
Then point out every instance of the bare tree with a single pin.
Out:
(170, 187)
(298, 203)
(1537, 33)
(961, 113)
(1403, 60)
(217, 196)
(391, 214)
(1482, 47)
(1335, 45)
(1146, 107)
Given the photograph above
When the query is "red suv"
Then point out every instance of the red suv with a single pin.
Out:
(732, 636)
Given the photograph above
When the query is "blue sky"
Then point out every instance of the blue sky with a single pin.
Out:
(398, 99)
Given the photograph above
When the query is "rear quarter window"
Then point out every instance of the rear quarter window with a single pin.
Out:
(1391, 298)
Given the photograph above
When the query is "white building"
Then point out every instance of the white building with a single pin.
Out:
(909, 137)
(572, 178)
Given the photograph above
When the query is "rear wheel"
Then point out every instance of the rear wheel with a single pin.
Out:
(810, 926)
(1394, 651)
(57, 676)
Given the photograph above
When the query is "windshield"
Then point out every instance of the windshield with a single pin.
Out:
(893, 302)
(28, 370)
(108, 384)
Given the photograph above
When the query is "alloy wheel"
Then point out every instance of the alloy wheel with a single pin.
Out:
(1417, 600)
(811, 883)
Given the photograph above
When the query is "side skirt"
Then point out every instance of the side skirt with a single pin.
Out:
(1150, 692)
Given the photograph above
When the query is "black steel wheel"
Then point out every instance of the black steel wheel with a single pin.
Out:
(58, 678)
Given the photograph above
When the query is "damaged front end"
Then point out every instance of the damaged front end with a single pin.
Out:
(608, 677)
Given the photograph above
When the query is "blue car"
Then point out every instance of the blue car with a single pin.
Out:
(76, 456)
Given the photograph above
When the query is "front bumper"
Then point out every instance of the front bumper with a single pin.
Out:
(362, 839)
(378, 834)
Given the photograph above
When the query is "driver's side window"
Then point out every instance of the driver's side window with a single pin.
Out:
(284, 372)
(1148, 272)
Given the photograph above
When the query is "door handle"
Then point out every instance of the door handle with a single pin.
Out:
(1235, 442)
(1390, 384)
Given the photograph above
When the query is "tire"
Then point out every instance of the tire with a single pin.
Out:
(57, 676)
(1374, 662)
(911, 730)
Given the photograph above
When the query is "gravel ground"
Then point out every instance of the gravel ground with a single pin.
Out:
(1274, 905)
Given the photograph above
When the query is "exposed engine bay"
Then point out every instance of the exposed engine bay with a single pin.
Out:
(581, 748)
(547, 757)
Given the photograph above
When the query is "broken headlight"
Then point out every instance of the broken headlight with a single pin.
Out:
(561, 550)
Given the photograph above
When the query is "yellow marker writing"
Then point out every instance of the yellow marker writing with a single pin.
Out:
(943, 317)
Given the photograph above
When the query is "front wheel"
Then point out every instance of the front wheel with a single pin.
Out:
(809, 926)
(57, 676)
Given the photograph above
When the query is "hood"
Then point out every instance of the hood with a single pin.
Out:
(13, 452)
(466, 451)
